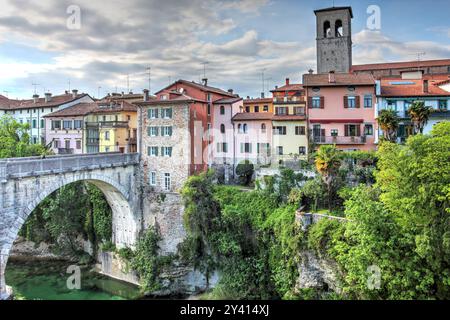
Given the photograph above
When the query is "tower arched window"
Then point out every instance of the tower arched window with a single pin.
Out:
(327, 29)
(222, 128)
(339, 31)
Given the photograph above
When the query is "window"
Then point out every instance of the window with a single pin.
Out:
(300, 130)
(67, 144)
(368, 130)
(67, 124)
(299, 111)
(153, 131)
(266, 108)
(107, 135)
(166, 151)
(153, 151)
(128, 117)
(56, 124)
(392, 105)
(246, 147)
(222, 147)
(153, 113)
(35, 140)
(442, 104)
(166, 113)
(167, 181)
(327, 29)
(56, 144)
(247, 109)
(263, 148)
(166, 131)
(34, 124)
(302, 151)
(280, 130)
(222, 128)
(334, 132)
(222, 110)
(281, 111)
(78, 124)
(352, 130)
(280, 150)
(256, 108)
(42, 123)
(208, 97)
(316, 102)
(153, 178)
(78, 144)
(209, 109)
(263, 128)
(242, 128)
(368, 101)
(106, 149)
(351, 102)
(338, 30)
(163, 97)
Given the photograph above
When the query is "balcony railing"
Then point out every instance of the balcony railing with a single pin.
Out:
(339, 140)
(114, 124)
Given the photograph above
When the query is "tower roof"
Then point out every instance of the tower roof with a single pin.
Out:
(335, 9)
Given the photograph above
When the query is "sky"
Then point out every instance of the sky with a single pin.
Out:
(110, 45)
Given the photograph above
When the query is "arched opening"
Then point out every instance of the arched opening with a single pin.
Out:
(338, 29)
(77, 219)
(327, 29)
(222, 128)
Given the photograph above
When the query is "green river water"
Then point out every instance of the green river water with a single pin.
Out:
(37, 280)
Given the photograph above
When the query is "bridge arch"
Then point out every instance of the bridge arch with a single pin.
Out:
(20, 195)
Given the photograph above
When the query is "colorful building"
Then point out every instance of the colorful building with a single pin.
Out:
(111, 127)
(290, 139)
(398, 93)
(258, 105)
(34, 110)
(341, 110)
(65, 133)
(174, 131)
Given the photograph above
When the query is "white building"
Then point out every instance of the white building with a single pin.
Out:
(33, 111)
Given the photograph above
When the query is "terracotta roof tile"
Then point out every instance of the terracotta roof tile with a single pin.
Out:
(227, 100)
(391, 87)
(80, 109)
(55, 101)
(252, 116)
(400, 65)
(258, 100)
(342, 79)
(201, 87)
(291, 87)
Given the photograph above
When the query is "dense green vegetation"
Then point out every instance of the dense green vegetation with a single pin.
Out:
(397, 223)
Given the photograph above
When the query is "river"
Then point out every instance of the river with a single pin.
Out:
(47, 280)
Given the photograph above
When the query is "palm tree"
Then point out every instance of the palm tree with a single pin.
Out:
(328, 161)
(388, 122)
(419, 114)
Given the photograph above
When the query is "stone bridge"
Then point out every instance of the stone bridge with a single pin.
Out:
(25, 182)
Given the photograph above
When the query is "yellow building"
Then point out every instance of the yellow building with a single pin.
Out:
(111, 127)
(258, 105)
(290, 129)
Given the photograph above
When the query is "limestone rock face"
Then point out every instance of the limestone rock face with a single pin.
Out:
(317, 273)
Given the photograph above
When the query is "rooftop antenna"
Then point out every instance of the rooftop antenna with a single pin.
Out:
(149, 70)
(128, 82)
(35, 87)
(204, 68)
(69, 84)
(98, 92)
(263, 82)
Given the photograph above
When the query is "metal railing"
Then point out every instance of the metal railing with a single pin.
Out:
(339, 140)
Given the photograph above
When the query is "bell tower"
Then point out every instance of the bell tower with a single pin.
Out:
(334, 39)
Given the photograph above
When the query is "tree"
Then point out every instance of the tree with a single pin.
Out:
(328, 161)
(419, 114)
(388, 122)
(245, 171)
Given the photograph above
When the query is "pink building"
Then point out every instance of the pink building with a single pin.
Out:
(253, 134)
(341, 110)
(65, 128)
(223, 142)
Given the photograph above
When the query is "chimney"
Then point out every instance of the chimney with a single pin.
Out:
(35, 98)
(74, 93)
(310, 71)
(146, 95)
(205, 81)
(287, 81)
(262, 95)
(331, 77)
(230, 91)
(66, 92)
(425, 86)
(276, 87)
(48, 97)
(248, 97)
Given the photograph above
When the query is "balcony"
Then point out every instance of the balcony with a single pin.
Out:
(339, 140)
(92, 141)
(132, 141)
(113, 124)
